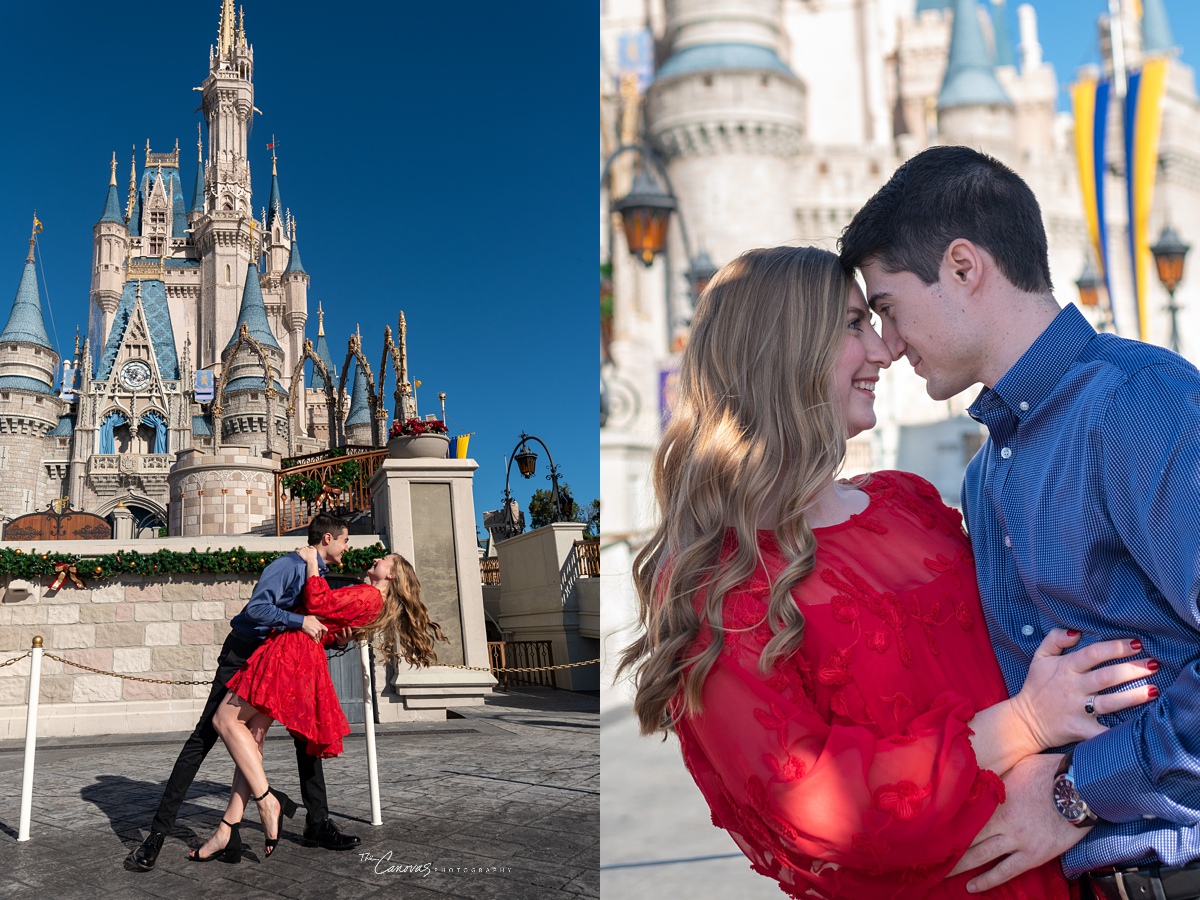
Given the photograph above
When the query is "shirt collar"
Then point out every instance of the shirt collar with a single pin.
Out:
(1035, 375)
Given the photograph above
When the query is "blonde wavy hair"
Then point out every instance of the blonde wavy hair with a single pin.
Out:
(754, 437)
(404, 623)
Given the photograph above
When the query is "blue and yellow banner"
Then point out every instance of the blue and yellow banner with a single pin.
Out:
(458, 446)
(1089, 99)
(1143, 119)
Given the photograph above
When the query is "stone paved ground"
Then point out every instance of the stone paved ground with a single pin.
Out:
(512, 787)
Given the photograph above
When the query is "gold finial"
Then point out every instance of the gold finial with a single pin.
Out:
(76, 341)
(147, 153)
(241, 32)
(112, 178)
(273, 172)
(320, 320)
(33, 233)
(37, 642)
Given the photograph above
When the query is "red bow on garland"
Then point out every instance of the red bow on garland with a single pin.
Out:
(63, 571)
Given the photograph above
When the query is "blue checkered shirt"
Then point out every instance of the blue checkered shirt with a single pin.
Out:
(1083, 508)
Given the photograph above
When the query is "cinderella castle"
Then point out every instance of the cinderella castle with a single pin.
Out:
(189, 388)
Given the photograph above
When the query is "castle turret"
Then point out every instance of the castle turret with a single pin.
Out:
(250, 402)
(295, 296)
(973, 108)
(110, 247)
(276, 243)
(728, 115)
(224, 235)
(29, 408)
(1156, 28)
(358, 419)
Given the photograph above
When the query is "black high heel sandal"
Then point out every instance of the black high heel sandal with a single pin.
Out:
(287, 807)
(230, 853)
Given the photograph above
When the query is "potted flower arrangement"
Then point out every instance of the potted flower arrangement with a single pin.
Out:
(418, 439)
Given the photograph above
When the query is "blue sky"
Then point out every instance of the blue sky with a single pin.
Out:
(438, 159)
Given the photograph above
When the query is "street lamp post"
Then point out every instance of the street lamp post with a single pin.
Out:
(526, 461)
(1169, 252)
(1089, 283)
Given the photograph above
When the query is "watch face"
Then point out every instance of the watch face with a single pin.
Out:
(135, 375)
(1070, 805)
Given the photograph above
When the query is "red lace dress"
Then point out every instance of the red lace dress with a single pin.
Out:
(287, 677)
(847, 771)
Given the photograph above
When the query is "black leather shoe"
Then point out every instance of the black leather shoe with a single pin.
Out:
(325, 834)
(145, 855)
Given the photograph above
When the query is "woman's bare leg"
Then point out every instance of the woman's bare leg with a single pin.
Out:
(242, 727)
(239, 794)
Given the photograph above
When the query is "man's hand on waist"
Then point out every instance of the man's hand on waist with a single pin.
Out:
(313, 627)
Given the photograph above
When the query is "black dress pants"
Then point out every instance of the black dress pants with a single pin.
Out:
(234, 653)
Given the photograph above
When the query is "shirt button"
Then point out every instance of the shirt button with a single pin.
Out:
(1024, 406)
(1007, 541)
(1027, 630)
(1006, 452)
(1149, 816)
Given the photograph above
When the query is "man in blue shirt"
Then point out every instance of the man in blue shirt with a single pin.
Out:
(270, 608)
(1081, 506)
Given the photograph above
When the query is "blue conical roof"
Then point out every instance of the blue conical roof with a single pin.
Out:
(112, 207)
(1004, 47)
(253, 313)
(274, 205)
(178, 210)
(1156, 30)
(322, 351)
(25, 322)
(198, 190)
(923, 5)
(360, 407)
(970, 76)
(294, 264)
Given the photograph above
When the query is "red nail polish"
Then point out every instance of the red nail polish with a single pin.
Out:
(1135, 644)
(1152, 692)
(1153, 665)
(1071, 632)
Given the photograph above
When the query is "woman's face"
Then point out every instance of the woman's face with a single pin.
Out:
(857, 373)
(381, 570)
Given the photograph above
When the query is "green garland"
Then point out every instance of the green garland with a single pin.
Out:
(18, 564)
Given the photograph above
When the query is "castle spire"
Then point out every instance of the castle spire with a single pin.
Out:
(970, 76)
(241, 31)
(274, 205)
(1156, 30)
(1004, 47)
(294, 264)
(25, 322)
(320, 320)
(133, 211)
(225, 29)
(323, 354)
(254, 313)
(198, 188)
(112, 204)
(360, 409)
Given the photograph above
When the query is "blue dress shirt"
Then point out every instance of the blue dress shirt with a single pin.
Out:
(1083, 508)
(270, 606)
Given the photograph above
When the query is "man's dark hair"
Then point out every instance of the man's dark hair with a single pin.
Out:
(325, 524)
(938, 196)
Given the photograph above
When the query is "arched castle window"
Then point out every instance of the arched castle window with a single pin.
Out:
(227, 273)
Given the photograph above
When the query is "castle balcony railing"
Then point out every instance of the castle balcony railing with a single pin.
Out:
(108, 472)
(335, 481)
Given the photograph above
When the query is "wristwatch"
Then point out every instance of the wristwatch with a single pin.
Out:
(1070, 805)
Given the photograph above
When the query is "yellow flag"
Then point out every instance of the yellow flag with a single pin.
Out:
(37, 225)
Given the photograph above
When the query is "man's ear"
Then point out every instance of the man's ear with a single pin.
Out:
(962, 264)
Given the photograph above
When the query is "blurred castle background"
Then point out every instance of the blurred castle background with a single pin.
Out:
(774, 120)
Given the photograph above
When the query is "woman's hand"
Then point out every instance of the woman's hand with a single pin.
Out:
(1052, 703)
(309, 555)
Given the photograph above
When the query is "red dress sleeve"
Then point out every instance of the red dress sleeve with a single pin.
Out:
(351, 606)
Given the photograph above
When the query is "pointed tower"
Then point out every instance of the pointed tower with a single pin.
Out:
(1156, 29)
(224, 233)
(250, 401)
(276, 245)
(358, 419)
(295, 298)
(1004, 47)
(133, 209)
(197, 208)
(110, 247)
(973, 108)
(28, 403)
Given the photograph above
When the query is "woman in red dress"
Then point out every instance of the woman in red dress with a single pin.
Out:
(287, 680)
(818, 646)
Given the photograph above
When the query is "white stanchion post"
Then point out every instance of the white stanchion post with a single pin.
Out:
(364, 656)
(35, 677)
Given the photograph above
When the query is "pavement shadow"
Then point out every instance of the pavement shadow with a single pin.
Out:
(130, 805)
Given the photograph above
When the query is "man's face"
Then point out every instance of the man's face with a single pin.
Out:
(336, 546)
(928, 325)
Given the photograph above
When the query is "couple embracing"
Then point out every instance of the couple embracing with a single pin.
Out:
(873, 703)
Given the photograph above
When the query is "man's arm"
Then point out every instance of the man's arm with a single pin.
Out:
(280, 581)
